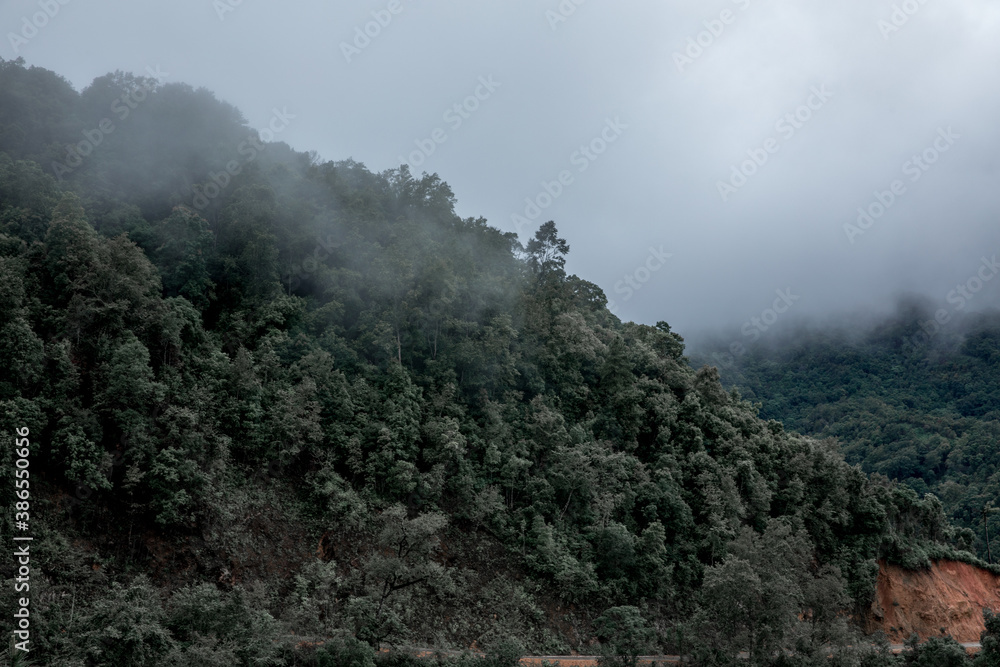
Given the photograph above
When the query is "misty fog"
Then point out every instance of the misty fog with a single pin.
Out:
(701, 159)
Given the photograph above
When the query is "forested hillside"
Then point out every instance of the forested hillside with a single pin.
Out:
(291, 411)
(922, 408)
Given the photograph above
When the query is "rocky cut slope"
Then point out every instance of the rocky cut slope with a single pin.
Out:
(946, 598)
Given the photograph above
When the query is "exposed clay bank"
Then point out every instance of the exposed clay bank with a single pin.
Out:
(949, 595)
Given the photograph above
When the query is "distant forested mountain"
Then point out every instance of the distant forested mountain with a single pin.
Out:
(283, 412)
(908, 398)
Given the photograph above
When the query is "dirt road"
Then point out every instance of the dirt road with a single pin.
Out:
(565, 660)
(591, 660)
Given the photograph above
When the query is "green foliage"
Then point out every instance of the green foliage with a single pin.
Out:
(345, 651)
(325, 351)
(936, 652)
(126, 627)
(183, 252)
(547, 252)
(624, 636)
(989, 654)
(15, 657)
(401, 563)
(750, 600)
(766, 598)
(206, 621)
(505, 653)
(878, 653)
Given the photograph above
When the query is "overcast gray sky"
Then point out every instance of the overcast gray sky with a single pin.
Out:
(644, 109)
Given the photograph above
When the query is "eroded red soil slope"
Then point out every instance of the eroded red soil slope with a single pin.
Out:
(949, 597)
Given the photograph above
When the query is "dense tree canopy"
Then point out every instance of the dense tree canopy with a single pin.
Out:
(219, 376)
(920, 409)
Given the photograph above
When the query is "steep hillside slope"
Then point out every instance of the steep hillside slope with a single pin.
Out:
(211, 386)
(946, 598)
(923, 411)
